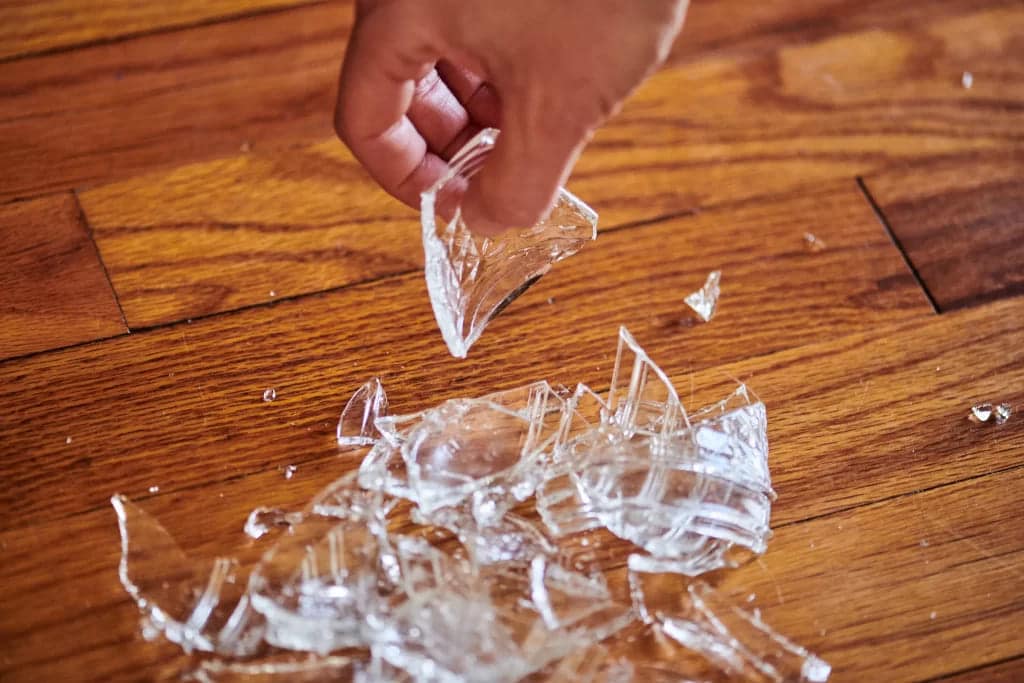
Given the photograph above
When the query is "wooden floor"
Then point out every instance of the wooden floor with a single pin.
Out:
(180, 231)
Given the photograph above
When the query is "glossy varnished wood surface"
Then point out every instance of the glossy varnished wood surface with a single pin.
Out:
(186, 151)
(55, 291)
(32, 26)
(961, 224)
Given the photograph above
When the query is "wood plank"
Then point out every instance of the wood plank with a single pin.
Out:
(197, 388)
(906, 588)
(53, 290)
(112, 110)
(219, 234)
(1009, 671)
(233, 232)
(960, 225)
(48, 25)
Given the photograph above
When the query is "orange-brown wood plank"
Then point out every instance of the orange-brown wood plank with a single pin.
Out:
(219, 234)
(960, 225)
(222, 234)
(53, 291)
(1010, 671)
(184, 402)
(913, 585)
(28, 26)
(108, 111)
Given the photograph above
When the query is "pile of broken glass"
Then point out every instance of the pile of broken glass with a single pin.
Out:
(483, 540)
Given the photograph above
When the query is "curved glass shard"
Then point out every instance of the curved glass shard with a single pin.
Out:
(195, 605)
(736, 641)
(705, 300)
(470, 279)
(357, 425)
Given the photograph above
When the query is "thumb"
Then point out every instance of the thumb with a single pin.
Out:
(520, 179)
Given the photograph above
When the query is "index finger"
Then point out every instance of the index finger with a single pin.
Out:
(388, 52)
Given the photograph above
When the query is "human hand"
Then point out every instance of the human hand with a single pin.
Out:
(421, 77)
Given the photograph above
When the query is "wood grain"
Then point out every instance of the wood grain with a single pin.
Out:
(112, 110)
(233, 232)
(1009, 671)
(960, 224)
(49, 25)
(215, 235)
(197, 387)
(53, 291)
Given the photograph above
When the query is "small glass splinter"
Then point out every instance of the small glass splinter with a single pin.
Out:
(471, 279)
(705, 300)
(981, 412)
(357, 424)
(1003, 412)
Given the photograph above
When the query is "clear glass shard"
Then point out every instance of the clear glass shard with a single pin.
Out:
(641, 397)
(301, 669)
(1003, 412)
(814, 243)
(269, 395)
(470, 279)
(263, 520)
(357, 425)
(466, 445)
(981, 412)
(705, 300)
(738, 641)
(198, 606)
(562, 505)
(315, 586)
(563, 597)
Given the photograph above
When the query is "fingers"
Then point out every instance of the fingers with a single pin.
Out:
(440, 117)
(388, 52)
(477, 96)
(520, 180)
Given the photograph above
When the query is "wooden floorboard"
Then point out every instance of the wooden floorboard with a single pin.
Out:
(53, 290)
(960, 224)
(32, 26)
(1009, 671)
(197, 387)
(224, 233)
(112, 110)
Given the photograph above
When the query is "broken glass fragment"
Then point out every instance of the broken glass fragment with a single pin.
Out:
(357, 424)
(1002, 413)
(736, 641)
(814, 243)
(470, 279)
(269, 395)
(316, 584)
(705, 300)
(967, 80)
(642, 398)
(289, 669)
(290, 470)
(981, 412)
(198, 606)
(262, 520)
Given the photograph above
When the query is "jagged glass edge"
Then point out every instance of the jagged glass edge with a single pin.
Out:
(437, 266)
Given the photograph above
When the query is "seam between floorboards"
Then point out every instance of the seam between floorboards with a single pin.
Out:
(887, 226)
(99, 257)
